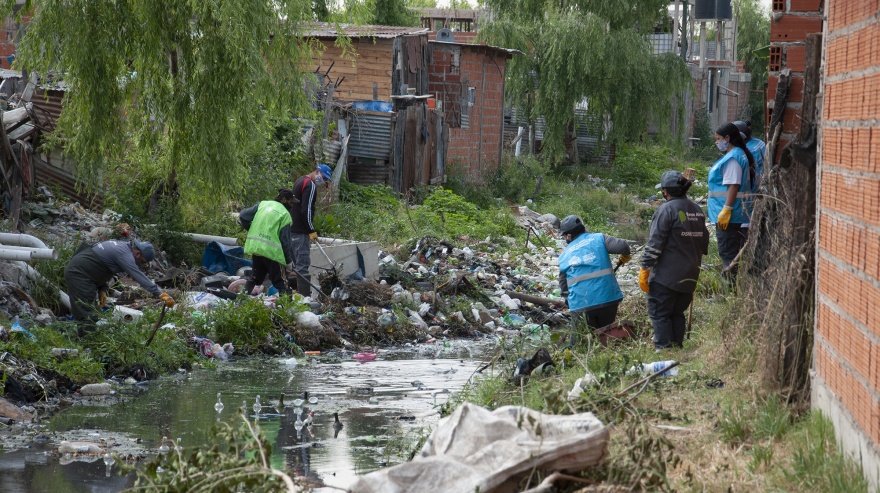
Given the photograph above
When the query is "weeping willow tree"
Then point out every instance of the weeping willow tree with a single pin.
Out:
(188, 86)
(587, 50)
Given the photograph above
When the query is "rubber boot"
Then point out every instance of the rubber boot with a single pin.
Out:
(303, 286)
(249, 287)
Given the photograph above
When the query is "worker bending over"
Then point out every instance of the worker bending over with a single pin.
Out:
(268, 239)
(586, 277)
(90, 269)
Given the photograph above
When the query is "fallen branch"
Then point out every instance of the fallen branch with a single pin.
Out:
(547, 484)
(538, 300)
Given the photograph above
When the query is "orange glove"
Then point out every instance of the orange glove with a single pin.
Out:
(169, 301)
(313, 236)
(102, 298)
(643, 278)
(724, 217)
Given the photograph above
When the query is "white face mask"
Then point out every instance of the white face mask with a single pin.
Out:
(722, 145)
(319, 180)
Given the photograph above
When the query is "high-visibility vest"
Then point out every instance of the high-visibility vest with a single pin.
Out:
(718, 190)
(264, 235)
(588, 271)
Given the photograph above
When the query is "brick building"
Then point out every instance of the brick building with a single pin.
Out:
(468, 81)
(845, 382)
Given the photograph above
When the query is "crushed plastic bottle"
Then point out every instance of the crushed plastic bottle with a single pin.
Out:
(514, 320)
(656, 366)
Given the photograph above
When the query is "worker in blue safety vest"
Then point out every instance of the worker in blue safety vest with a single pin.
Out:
(730, 189)
(758, 148)
(586, 276)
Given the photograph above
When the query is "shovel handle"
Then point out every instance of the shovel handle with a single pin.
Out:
(156, 327)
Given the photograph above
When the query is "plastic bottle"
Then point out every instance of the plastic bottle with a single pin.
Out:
(650, 368)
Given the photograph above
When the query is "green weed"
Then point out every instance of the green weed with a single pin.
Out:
(120, 347)
(816, 464)
(762, 457)
(773, 419)
(735, 425)
(80, 370)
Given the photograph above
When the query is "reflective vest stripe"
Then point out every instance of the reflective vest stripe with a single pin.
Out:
(591, 275)
(739, 195)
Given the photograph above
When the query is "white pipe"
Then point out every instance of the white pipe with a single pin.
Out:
(32, 274)
(223, 240)
(22, 255)
(22, 240)
(36, 253)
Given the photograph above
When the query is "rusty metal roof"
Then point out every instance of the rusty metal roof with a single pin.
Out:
(506, 51)
(327, 30)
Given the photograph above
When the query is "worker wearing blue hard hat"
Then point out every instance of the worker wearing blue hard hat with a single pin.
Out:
(302, 231)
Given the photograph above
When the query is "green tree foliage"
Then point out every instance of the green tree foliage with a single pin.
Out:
(752, 47)
(381, 12)
(393, 13)
(591, 50)
(186, 85)
(321, 11)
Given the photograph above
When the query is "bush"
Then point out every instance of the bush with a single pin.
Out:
(119, 346)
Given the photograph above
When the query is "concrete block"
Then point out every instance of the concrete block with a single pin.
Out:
(344, 255)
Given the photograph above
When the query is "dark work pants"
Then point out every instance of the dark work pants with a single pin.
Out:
(264, 267)
(666, 309)
(598, 317)
(595, 318)
(730, 241)
(302, 260)
(84, 275)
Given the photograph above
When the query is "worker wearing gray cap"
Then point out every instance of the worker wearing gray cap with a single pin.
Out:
(91, 268)
(677, 241)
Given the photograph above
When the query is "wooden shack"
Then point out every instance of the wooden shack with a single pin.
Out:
(377, 78)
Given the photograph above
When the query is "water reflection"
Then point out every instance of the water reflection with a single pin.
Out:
(183, 407)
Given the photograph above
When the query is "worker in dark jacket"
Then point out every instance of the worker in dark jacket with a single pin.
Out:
(268, 240)
(671, 261)
(586, 277)
(90, 269)
(303, 229)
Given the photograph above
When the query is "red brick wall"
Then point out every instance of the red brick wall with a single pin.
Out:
(474, 151)
(847, 340)
(791, 22)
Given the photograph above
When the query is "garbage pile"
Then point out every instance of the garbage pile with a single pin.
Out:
(441, 290)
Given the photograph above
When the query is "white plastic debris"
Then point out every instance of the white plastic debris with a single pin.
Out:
(510, 303)
(587, 380)
(416, 319)
(96, 389)
(89, 448)
(126, 314)
(308, 320)
(201, 300)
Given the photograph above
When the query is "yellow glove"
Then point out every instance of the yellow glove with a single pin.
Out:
(724, 217)
(169, 301)
(102, 298)
(643, 278)
(624, 259)
(313, 236)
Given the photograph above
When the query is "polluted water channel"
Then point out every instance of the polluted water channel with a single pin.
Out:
(382, 406)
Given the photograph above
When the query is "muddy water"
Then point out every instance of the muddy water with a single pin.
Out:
(380, 404)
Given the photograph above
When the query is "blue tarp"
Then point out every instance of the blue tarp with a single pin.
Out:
(224, 258)
(383, 106)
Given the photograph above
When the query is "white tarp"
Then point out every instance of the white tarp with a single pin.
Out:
(475, 449)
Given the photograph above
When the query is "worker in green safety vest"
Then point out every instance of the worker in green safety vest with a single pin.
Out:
(268, 239)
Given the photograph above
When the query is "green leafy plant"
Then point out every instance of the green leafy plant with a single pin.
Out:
(237, 459)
